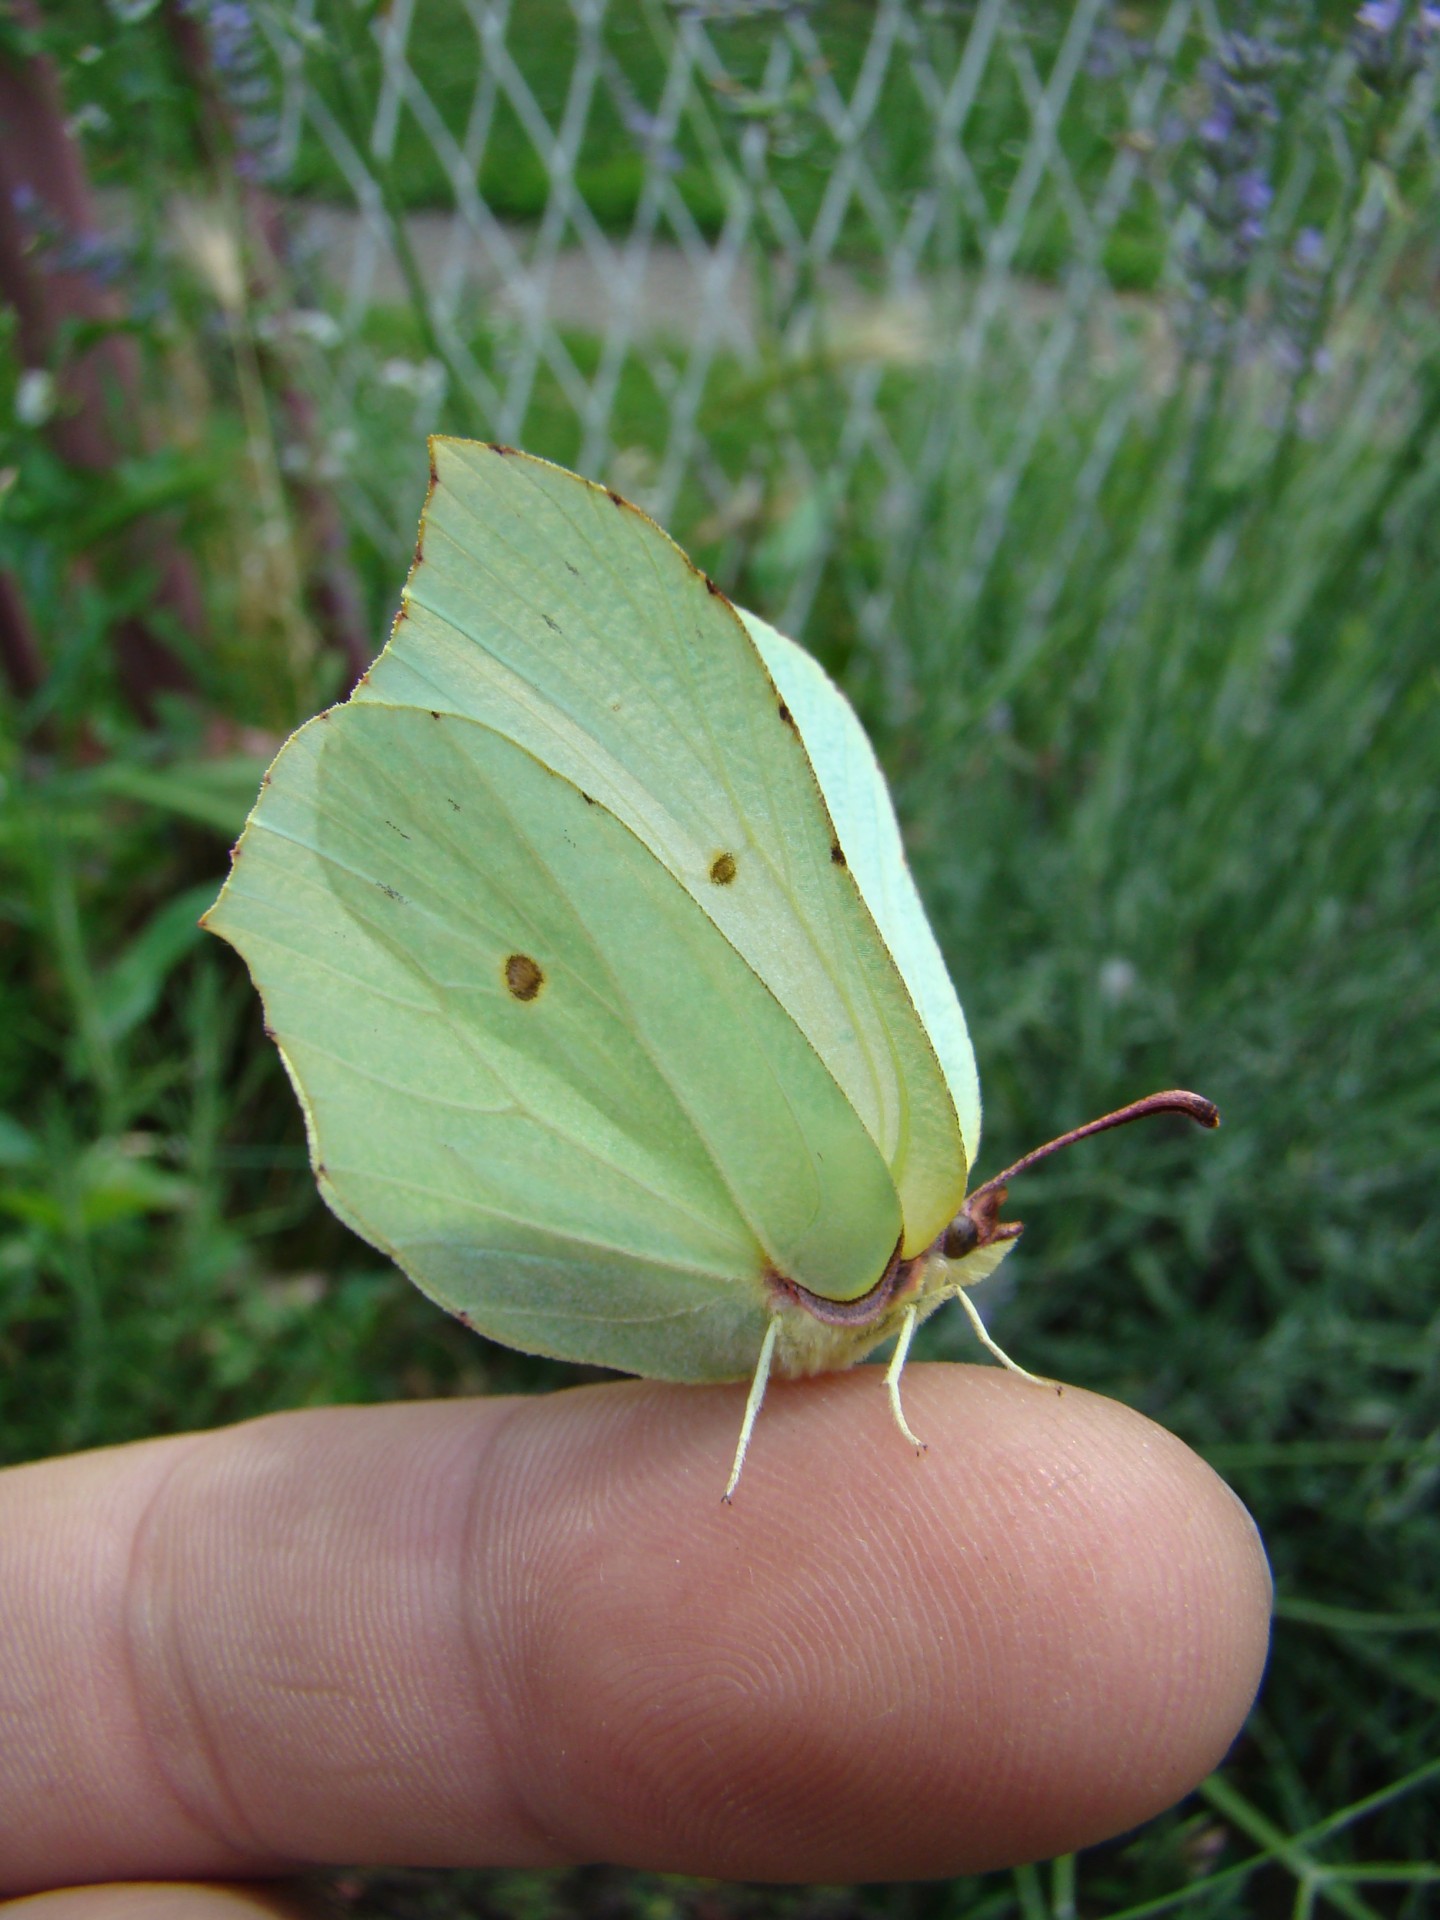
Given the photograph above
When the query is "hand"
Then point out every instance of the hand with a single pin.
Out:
(527, 1632)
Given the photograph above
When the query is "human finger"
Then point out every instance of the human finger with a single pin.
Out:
(150, 1900)
(528, 1633)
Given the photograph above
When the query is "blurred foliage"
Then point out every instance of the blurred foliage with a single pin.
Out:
(132, 82)
(1162, 711)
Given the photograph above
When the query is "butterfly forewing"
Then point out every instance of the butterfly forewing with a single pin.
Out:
(563, 618)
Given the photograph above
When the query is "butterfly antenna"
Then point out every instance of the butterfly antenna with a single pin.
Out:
(977, 1223)
(1193, 1105)
(752, 1404)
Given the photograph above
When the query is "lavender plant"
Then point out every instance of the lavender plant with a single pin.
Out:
(244, 71)
(1231, 188)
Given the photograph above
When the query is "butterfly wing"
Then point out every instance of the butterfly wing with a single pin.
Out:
(565, 619)
(533, 1071)
(864, 816)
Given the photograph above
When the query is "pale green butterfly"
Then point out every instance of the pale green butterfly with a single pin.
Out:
(585, 932)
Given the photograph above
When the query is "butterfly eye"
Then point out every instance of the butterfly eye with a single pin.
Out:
(962, 1236)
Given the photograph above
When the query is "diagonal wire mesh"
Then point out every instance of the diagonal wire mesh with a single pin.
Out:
(774, 267)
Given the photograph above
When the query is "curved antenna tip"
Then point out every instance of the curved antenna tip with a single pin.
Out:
(1203, 1112)
(1194, 1106)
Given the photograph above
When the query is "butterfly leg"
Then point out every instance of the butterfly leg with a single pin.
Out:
(752, 1405)
(982, 1334)
(893, 1372)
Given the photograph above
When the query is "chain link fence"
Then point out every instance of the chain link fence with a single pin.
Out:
(772, 267)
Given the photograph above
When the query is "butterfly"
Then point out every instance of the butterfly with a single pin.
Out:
(585, 932)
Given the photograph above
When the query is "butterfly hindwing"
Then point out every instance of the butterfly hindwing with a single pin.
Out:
(533, 1070)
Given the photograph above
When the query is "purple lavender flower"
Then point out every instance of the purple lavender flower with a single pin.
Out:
(1308, 251)
(1234, 135)
(104, 259)
(1253, 194)
(1218, 125)
(1391, 44)
(243, 73)
(1230, 184)
(1113, 51)
(1298, 292)
(1249, 61)
(231, 33)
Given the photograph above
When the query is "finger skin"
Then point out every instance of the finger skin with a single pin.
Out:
(528, 1632)
(150, 1901)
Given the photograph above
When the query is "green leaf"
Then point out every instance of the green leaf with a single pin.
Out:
(215, 793)
(129, 990)
(17, 1147)
(116, 1180)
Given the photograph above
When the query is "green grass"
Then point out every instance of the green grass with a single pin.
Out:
(1201, 849)
(1164, 734)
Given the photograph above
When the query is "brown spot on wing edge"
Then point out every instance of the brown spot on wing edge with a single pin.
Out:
(723, 869)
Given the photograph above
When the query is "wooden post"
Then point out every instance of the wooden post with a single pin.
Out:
(43, 187)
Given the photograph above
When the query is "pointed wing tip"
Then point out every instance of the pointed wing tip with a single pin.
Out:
(448, 446)
(216, 919)
(445, 448)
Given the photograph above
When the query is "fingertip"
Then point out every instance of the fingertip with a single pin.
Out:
(872, 1666)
